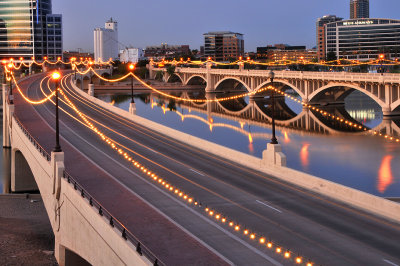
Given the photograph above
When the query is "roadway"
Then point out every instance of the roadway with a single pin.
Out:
(326, 231)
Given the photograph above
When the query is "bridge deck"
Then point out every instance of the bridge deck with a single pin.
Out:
(328, 232)
(165, 239)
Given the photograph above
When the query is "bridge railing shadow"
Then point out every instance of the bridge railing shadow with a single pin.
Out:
(33, 140)
(125, 233)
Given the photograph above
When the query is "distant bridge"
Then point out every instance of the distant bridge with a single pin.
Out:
(312, 87)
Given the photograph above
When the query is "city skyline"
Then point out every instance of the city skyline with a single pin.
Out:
(258, 29)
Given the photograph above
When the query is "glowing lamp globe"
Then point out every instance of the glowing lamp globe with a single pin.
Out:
(56, 75)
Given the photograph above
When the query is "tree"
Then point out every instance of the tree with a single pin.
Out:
(159, 76)
(171, 70)
(331, 56)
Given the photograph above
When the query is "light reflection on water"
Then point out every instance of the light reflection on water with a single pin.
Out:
(364, 162)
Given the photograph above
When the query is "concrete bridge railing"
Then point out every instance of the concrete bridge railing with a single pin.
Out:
(312, 87)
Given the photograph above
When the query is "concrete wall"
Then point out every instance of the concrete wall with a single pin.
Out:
(370, 203)
(77, 226)
(22, 179)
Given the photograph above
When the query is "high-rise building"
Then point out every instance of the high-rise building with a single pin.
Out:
(364, 39)
(223, 45)
(321, 35)
(106, 42)
(29, 29)
(359, 9)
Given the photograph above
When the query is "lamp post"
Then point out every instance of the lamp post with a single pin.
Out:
(10, 68)
(56, 76)
(271, 75)
(131, 68)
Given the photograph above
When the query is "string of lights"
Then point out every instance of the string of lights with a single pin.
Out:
(219, 217)
(283, 62)
(337, 118)
(29, 100)
(73, 61)
(186, 197)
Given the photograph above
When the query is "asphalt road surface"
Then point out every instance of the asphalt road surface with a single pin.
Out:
(310, 225)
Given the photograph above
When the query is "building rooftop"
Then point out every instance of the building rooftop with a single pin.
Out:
(221, 33)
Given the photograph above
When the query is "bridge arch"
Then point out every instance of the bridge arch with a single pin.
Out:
(283, 82)
(233, 78)
(195, 76)
(169, 78)
(395, 105)
(351, 86)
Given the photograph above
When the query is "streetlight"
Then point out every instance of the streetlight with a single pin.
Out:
(271, 75)
(131, 68)
(10, 67)
(56, 76)
(381, 58)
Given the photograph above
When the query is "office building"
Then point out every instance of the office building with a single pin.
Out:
(363, 39)
(321, 35)
(106, 42)
(223, 45)
(359, 9)
(166, 50)
(132, 55)
(29, 29)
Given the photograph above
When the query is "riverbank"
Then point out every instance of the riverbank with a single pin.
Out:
(26, 237)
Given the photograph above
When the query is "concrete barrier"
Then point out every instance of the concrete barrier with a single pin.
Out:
(367, 202)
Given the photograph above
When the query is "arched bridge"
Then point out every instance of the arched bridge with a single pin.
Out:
(312, 87)
(128, 191)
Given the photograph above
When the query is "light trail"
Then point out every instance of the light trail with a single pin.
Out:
(127, 123)
(186, 197)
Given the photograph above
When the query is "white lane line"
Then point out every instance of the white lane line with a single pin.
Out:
(389, 262)
(206, 219)
(196, 172)
(269, 206)
(153, 150)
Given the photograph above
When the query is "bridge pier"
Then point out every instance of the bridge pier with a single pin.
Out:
(273, 156)
(22, 179)
(388, 112)
(6, 134)
(91, 90)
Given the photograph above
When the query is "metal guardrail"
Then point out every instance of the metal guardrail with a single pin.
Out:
(125, 233)
(114, 222)
(33, 140)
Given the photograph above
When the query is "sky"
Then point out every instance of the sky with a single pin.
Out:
(152, 22)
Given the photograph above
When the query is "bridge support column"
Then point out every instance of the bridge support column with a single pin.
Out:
(273, 156)
(57, 164)
(132, 108)
(91, 90)
(152, 73)
(210, 84)
(6, 131)
(22, 179)
(30, 69)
